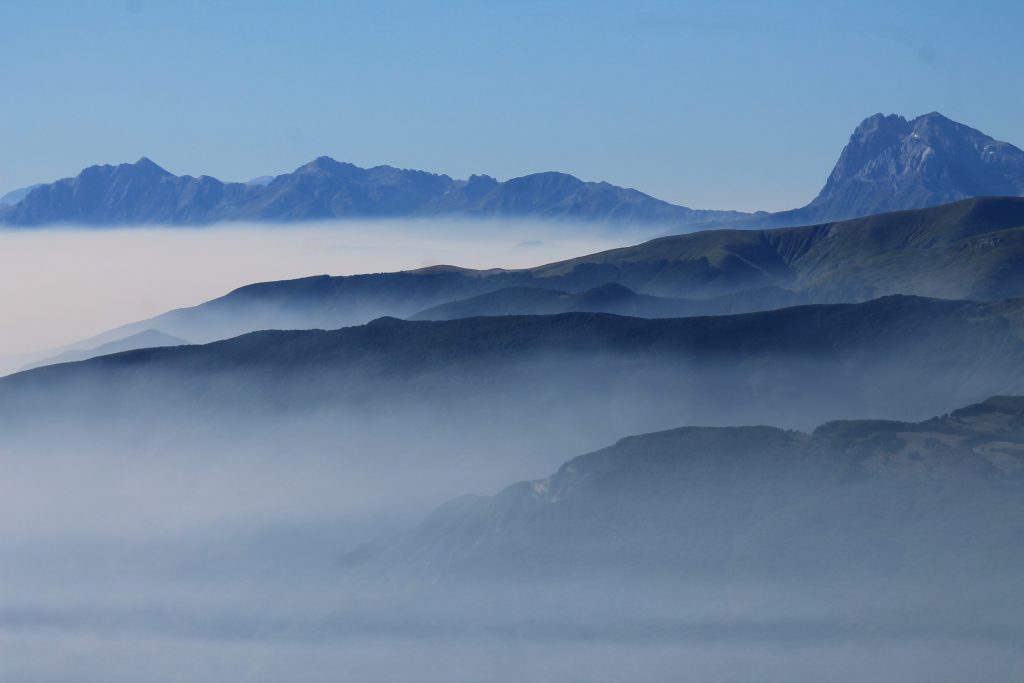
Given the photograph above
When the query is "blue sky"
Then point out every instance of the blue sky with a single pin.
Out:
(710, 104)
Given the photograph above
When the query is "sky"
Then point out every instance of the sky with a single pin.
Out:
(730, 105)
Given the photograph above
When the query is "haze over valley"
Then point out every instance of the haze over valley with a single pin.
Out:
(593, 342)
(325, 454)
(83, 284)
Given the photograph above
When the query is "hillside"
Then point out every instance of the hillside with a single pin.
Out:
(142, 340)
(972, 249)
(897, 356)
(893, 516)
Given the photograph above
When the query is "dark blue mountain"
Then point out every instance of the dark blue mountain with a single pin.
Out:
(896, 356)
(143, 193)
(889, 164)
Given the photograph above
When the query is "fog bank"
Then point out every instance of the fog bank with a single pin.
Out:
(64, 285)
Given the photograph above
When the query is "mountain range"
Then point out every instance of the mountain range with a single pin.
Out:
(145, 193)
(896, 356)
(972, 249)
(307, 442)
(889, 164)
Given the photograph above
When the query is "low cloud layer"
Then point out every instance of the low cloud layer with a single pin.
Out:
(64, 285)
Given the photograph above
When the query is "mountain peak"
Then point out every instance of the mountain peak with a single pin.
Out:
(326, 164)
(147, 164)
(891, 164)
(880, 120)
(935, 116)
(934, 121)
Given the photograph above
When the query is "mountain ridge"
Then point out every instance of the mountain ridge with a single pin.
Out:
(833, 359)
(842, 501)
(889, 163)
(973, 249)
(322, 189)
(145, 339)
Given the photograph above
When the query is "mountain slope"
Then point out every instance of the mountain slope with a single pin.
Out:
(861, 501)
(147, 339)
(967, 249)
(891, 164)
(897, 356)
(143, 193)
(973, 249)
(15, 196)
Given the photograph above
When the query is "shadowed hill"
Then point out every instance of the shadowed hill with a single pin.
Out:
(898, 356)
(940, 251)
(972, 249)
(935, 505)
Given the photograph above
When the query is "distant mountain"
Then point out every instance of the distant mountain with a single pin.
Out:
(971, 249)
(15, 196)
(896, 356)
(143, 193)
(141, 340)
(891, 164)
(853, 504)
(128, 193)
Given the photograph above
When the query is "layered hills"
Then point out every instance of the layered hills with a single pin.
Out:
(972, 249)
(896, 356)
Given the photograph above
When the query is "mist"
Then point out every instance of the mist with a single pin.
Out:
(197, 545)
(383, 502)
(72, 283)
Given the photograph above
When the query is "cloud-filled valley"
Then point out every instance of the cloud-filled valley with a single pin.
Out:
(580, 342)
(77, 283)
(500, 448)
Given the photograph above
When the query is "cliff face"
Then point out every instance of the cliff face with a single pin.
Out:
(891, 163)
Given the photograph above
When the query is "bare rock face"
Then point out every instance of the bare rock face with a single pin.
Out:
(892, 164)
